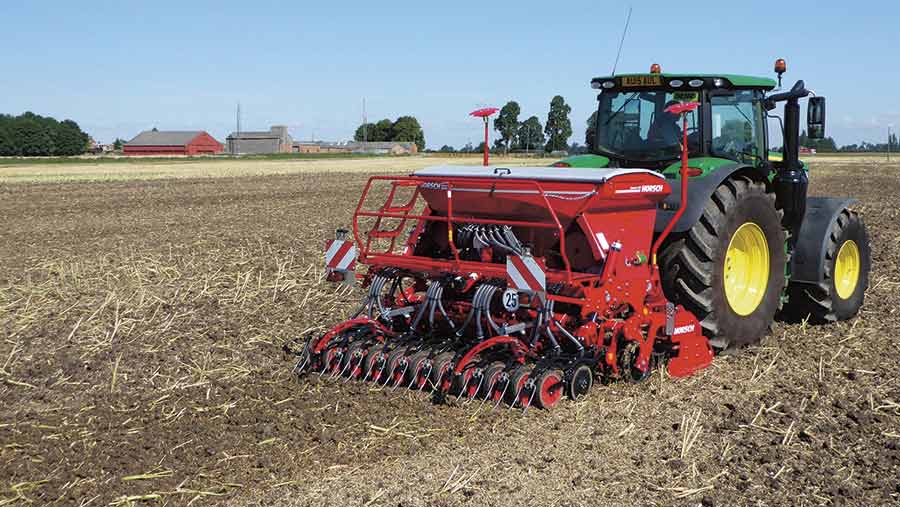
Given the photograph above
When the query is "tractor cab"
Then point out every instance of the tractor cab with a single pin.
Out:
(633, 129)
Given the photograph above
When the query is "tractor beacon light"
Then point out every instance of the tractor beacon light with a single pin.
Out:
(780, 68)
(655, 68)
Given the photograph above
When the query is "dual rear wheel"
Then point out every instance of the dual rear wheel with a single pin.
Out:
(729, 268)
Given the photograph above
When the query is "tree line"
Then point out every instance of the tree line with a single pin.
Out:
(32, 135)
(405, 129)
(828, 145)
(530, 135)
(865, 146)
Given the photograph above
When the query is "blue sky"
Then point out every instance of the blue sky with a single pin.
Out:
(121, 67)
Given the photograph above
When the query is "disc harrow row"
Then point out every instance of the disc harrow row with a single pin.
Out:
(489, 375)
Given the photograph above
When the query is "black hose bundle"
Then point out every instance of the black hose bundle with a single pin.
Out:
(500, 238)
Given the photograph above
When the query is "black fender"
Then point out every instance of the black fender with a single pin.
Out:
(808, 261)
(699, 192)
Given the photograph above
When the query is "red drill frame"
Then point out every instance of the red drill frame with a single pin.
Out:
(601, 305)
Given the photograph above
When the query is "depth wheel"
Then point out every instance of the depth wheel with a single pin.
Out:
(517, 394)
(728, 269)
(441, 369)
(418, 369)
(847, 264)
(394, 370)
(550, 387)
(374, 363)
(354, 360)
(334, 359)
(581, 382)
(492, 387)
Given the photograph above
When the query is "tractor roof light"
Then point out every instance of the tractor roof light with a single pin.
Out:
(595, 85)
(780, 66)
(718, 82)
(695, 83)
(608, 84)
(676, 83)
(655, 69)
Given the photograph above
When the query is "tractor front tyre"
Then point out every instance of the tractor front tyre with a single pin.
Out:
(728, 269)
(846, 278)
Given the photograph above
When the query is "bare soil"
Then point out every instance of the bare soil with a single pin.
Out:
(141, 325)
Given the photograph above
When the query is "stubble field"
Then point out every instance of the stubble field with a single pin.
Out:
(141, 324)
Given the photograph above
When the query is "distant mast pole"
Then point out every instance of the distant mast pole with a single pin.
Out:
(889, 143)
(365, 128)
(237, 116)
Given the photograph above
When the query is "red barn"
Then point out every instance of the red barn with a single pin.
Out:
(173, 142)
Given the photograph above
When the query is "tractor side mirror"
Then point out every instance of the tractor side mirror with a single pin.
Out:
(815, 118)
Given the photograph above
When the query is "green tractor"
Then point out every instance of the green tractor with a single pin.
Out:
(751, 243)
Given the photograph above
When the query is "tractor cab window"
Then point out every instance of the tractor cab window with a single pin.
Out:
(636, 126)
(737, 131)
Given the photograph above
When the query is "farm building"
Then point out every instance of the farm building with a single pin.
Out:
(384, 148)
(378, 148)
(276, 140)
(172, 142)
(320, 147)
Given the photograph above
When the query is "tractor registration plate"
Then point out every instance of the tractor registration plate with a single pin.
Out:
(646, 80)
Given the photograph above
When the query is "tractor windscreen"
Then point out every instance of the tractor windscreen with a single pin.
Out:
(634, 125)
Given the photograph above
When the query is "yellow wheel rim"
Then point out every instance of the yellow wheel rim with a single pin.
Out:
(746, 269)
(846, 269)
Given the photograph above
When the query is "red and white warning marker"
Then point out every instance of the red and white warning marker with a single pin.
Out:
(340, 255)
(525, 274)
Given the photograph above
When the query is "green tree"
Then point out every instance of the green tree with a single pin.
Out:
(507, 123)
(364, 132)
(590, 134)
(118, 144)
(374, 132)
(7, 145)
(407, 129)
(69, 139)
(447, 149)
(33, 136)
(30, 134)
(826, 145)
(382, 131)
(530, 134)
(558, 128)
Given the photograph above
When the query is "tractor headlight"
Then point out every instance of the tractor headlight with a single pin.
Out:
(608, 84)
(676, 83)
(696, 83)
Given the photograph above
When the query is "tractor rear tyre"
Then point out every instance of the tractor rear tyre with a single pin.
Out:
(846, 277)
(728, 269)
